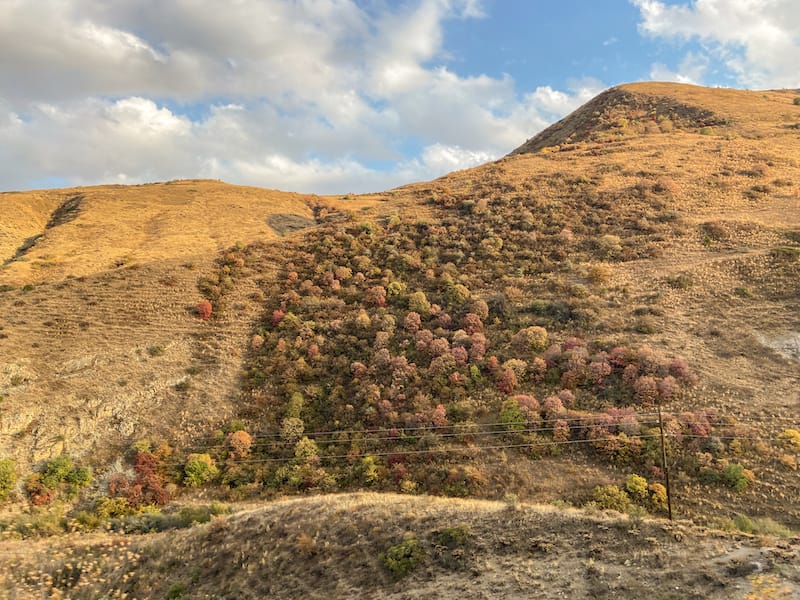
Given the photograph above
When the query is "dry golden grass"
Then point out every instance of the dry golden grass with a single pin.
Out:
(116, 225)
(330, 547)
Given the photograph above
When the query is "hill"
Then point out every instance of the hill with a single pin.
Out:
(504, 331)
(339, 546)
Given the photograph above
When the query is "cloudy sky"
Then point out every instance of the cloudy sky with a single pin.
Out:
(336, 96)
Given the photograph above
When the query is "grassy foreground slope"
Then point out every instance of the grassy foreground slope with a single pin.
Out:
(339, 547)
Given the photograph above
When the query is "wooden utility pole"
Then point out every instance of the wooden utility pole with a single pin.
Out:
(664, 462)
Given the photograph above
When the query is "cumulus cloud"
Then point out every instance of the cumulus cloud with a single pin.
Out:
(756, 40)
(691, 70)
(296, 95)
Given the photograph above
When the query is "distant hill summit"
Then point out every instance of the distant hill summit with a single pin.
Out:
(651, 108)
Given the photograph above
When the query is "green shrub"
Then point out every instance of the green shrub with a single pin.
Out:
(58, 475)
(757, 526)
(199, 469)
(737, 477)
(403, 558)
(176, 591)
(8, 478)
(511, 415)
(452, 537)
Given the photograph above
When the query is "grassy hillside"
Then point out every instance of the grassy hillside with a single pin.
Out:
(386, 546)
(501, 332)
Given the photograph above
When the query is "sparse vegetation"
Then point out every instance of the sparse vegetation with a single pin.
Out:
(401, 559)
(8, 478)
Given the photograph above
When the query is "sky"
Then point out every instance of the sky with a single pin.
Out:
(340, 96)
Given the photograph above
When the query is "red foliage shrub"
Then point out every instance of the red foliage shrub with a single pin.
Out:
(630, 374)
(645, 390)
(118, 484)
(376, 296)
(204, 310)
(37, 491)
(667, 388)
(412, 322)
(422, 338)
(619, 357)
(460, 355)
(560, 431)
(471, 323)
(145, 464)
(493, 365)
(529, 406)
(147, 488)
(552, 355)
(277, 316)
(680, 370)
(537, 370)
(598, 371)
(439, 346)
(439, 416)
(567, 398)
(507, 382)
(571, 379)
(552, 407)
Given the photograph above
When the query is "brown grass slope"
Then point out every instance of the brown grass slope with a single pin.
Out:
(331, 547)
(97, 323)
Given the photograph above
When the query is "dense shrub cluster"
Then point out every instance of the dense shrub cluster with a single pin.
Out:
(56, 477)
(392, 353)
(415, 330)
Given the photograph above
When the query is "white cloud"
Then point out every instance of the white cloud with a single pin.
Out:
(757, 40)
(296, 95)
(691, 70)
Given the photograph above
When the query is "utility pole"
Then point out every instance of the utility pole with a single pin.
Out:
(664, 462)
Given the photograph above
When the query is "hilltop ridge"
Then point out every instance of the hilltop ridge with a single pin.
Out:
(653, 108)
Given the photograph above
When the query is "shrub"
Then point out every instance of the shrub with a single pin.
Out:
(239, 443)
(8, 478)
(291, 429)
(790, 439)
(58, 475)
(646, 390)
(599, 273)
(610, 497)
(530, 338)
(204, 310)
(199, 469)
(796, 101)
(471, 323)
(737, 477)
(636, 487)
(512, 416)
(418, 302)
(403, 558)
(658, 496)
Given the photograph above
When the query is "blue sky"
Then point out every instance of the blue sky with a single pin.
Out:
(337, 96)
